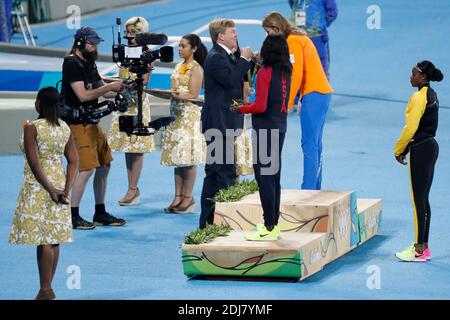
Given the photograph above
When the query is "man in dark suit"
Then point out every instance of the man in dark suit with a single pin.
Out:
(224, 74)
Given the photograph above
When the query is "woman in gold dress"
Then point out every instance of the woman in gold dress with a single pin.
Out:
(133, 146)
(42, 216)
(243, 144)
(183, 144)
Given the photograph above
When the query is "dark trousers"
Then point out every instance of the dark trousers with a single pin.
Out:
(422, 160)
(219, 175)
(269, 181)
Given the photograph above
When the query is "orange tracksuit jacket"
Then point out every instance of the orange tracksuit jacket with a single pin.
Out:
(307, 72)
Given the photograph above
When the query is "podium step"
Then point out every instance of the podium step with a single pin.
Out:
(333, 212)
(293, 255)
(300, 210)
(369, 218)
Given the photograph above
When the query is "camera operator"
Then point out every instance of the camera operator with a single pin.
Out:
(82, 86)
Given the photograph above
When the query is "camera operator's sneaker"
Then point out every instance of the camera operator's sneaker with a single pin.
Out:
(105, 219)
(79, 223)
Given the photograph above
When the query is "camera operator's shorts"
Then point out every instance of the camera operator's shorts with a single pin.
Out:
(92, 146)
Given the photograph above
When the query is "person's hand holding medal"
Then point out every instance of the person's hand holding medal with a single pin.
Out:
(236, 105)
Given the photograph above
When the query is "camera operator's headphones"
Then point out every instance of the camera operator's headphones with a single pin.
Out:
(80, 40)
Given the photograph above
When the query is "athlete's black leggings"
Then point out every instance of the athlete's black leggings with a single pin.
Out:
(422, 160)
(268, 175)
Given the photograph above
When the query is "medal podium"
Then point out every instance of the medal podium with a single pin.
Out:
(317, 227)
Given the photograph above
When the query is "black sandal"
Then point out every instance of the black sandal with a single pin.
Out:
(169, 209)
(187, 209)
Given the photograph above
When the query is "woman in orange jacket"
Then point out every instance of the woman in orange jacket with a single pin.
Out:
(308, 79)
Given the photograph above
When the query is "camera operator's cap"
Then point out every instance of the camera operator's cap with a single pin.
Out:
(90, 35)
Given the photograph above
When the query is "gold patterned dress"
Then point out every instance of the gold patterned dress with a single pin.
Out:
(243, 152)
(183, 144)
(120, 141)
(37, 219)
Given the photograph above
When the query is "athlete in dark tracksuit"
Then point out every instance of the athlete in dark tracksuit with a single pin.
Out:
(417, 138)
(269, 113)
(269, 119)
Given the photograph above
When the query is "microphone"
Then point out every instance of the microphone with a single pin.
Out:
(146, 38)
(119, 23)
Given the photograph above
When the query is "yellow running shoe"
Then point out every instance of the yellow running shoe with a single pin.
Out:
(260, 226)
(262, 234)
(410, 255)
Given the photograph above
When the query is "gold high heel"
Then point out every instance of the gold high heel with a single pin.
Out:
(131, 201)
(186, 209)
(45, 295)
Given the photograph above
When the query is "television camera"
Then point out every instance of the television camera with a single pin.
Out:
(97, 111)
(137, 58)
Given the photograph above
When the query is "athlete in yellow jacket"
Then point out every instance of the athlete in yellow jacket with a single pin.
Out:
(417, 138)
